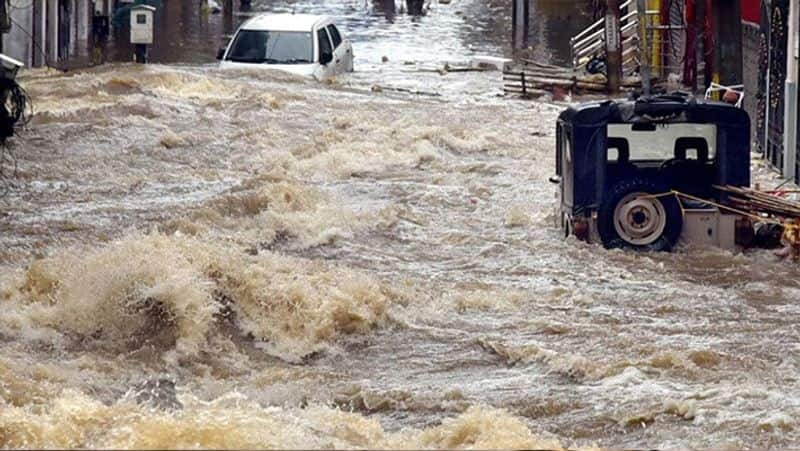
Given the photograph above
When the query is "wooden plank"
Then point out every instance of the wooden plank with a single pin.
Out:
(529, 73)
(542, 65)
(761, 202)
(529, 94)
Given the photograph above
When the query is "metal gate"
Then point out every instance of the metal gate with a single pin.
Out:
(778, 31)
(761, 94)
(797, 141)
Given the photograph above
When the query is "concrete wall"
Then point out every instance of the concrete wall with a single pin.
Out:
(28, 42)
(80, 26)
(73, 27)
(751, 50)
(17, 43)
(83, 20)
(51, 44)
(40, 34)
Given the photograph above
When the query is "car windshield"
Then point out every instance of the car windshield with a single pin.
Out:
(272, 47)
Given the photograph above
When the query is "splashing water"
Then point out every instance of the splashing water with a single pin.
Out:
(205, 259)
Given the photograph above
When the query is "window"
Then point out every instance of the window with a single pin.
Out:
(335, 36)
(666, 141)
(324, 43)
(141, 19)
(273, 47)
(618, 151)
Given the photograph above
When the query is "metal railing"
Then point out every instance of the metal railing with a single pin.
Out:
(590, 42)
(663, 38)
(715, 90)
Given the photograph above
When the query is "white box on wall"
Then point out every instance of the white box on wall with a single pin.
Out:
(142, 24)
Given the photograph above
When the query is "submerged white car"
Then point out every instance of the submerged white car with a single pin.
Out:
(302, 44)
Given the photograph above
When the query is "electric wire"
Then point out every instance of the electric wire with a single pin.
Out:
(36, 44)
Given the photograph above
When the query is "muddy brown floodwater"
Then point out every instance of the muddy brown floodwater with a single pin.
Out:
(195, 258)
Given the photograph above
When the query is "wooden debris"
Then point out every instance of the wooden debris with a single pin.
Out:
(447, 69)
(771, 209)
(526, 80)
(382, 88)
(531, 75)
(761, 203)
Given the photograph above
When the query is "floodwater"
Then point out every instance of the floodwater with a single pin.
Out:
(186, 33)
(194, 258)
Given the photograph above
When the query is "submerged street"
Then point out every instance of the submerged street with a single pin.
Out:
(193, 258)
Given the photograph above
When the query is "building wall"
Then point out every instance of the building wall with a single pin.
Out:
(17, 43)
(28, 42)
(751, 51)
(51, 43)
(40, 33)
(79, 25)
(73, 27)
(83, 17)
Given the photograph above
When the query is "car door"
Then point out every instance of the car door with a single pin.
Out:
(342, 51)
(324, 45)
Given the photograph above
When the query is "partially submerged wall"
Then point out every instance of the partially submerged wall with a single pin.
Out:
(751, 52)
(28, 40)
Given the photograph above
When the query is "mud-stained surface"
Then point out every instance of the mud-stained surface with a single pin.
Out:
(193, 258)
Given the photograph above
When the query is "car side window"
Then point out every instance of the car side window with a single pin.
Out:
(324, 42)
(335, 35)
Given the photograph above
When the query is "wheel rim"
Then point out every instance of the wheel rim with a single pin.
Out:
(640, 220)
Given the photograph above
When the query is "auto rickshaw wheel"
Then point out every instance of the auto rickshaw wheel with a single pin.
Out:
(630, 217)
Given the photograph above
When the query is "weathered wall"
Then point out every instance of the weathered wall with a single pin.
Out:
(16, 43)
(40, 33)
(751, 48)
(28, 41)
(51, 31)
(84, 19)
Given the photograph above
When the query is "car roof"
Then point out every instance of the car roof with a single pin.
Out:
(659, 108)
(285, 22)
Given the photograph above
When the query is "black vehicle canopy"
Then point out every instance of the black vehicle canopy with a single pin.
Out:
(582, 141)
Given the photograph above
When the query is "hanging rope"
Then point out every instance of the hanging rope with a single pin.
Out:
(791, 226)
(754, 216)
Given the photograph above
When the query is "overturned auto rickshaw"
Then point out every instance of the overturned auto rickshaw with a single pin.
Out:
(620, 163)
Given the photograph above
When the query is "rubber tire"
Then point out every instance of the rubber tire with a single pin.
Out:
(605, 216)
